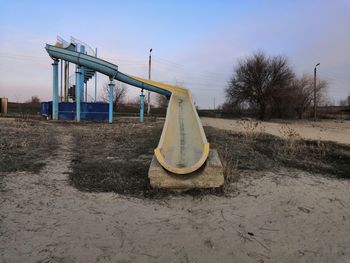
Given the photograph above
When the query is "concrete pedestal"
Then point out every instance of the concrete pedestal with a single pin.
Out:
(210, 175)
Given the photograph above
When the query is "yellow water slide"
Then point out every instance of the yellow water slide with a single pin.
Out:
(183, 147)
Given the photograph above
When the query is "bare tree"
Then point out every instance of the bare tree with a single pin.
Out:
(134, 101)
(119, 93)
(321, 93)
(256, 79)
(303, 91)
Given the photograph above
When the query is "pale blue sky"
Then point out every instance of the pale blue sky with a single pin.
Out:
(195, 43)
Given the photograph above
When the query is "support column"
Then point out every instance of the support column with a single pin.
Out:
(111, 89)
(142, 106)
(82, 71)
(86, 92)
(77, 92)
(55, 90)
(82, 85)
(61, 83)
(66, 80)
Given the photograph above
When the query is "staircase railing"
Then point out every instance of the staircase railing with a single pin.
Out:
(88, 49)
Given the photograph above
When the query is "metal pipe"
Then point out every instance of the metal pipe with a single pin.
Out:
(82, 70)
(82, 89)
(101, 66)
(86, 90)
(142, 106)
(55, 90)
(111, 88)
(149, 77)
(77, 92)
(61, 92)
(66, 80)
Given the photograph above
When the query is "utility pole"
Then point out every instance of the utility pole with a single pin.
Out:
(315, 102)
(149, 77)
(214, 102)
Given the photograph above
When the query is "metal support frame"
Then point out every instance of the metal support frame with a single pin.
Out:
(55, 90)
(149, 77)
(66, 80)
(82, 70)
(103, 67)
(82, 88)
(77, 92)
(142, 106)
(111, 90)
(61, 83)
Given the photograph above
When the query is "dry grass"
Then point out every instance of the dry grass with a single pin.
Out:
(268, 152)
(116, 158)
(25, 144)
(292, 139)
(251, 129)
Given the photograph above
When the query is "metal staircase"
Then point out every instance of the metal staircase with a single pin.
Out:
(87, 72)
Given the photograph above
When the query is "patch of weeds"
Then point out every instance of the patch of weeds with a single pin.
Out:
(268, 152)
(292, 139)
(327, 158)
(251, 129)
(236, 153)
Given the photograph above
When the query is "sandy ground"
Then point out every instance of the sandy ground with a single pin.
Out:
(285, 216)
(323, 130)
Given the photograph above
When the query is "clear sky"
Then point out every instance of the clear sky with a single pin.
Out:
(195, 43)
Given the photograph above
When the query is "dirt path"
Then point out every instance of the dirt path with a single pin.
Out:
(324, 130)
(277, 218)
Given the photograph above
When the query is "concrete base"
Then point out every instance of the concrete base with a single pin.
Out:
(210, 175)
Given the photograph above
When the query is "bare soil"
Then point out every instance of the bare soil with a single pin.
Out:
(283, 201)
(325, 130)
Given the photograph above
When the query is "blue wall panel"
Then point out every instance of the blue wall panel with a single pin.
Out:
(90, 111)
